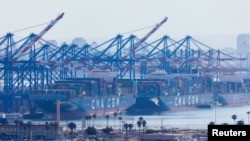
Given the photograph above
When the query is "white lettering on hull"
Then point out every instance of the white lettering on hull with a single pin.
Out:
(184, 101)
(236, 97)
(102, 103)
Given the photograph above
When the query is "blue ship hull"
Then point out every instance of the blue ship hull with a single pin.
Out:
(76, 98)
(150, 105)
(79, 108)
(187, 93)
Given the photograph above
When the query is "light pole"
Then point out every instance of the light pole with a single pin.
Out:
(83, 123)
(123, 122)
(161, 124)
(215, 102)
(248, 112)
(215, 105)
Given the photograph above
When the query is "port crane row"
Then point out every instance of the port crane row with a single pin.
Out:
(32, 63)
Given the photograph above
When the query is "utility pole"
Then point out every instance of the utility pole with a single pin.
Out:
(248, 112)
(215, 112)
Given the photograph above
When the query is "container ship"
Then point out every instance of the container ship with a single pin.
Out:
(161, 92)
(75, 98)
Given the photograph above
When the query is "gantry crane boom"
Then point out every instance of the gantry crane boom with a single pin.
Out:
(146, 37)
(37, 37)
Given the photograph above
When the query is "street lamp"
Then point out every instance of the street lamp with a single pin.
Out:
(123, 122)
(83, 123)
(215, 112)
(248, 112)
(161, 124)
(215, 102)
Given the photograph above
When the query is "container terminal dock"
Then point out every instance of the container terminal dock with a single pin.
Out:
(122, 73)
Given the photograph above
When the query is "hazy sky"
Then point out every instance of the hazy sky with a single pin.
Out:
(105, 19)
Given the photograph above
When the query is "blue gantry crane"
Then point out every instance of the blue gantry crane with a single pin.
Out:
(33, 63)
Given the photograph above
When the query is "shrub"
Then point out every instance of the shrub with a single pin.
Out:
(91, 131)
(107, 130)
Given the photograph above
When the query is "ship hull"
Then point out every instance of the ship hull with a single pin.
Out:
(187, 102)
(185, 92)
(86, 106)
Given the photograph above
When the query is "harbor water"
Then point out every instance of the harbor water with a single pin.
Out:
(197, 119)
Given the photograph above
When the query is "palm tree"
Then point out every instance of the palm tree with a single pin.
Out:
(130, 126)
(144, 124)
(126, 128)
(25, 128)
(120, 118)
(94, 116)
(115, 115)
(240, 122)
(29, 124)
(139, 126)
(16, 123)
(72, 127)
(234, 117)
(139, 122)
(91, 131)
(56, 127)
(21, 124)
(107, 117)
(248, 113)
(211, 123)
(47, 128)
(87, 118)
(51, 124)
(140, 118)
